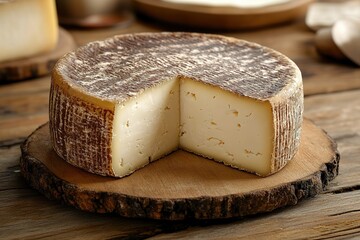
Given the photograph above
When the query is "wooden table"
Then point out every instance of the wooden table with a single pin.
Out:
(332, 102)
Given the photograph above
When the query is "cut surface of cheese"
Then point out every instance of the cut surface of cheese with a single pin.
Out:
(28, 27)
(228, 128)
(119, 104)
(146, 128)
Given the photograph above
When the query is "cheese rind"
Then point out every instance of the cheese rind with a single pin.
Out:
(130, 82)
(81, 131)
(28, 27)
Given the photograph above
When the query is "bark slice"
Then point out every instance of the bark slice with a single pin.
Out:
(182, 186)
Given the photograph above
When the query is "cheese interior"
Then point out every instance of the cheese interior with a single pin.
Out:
(27, 27)
(145, 128)
(199, 118)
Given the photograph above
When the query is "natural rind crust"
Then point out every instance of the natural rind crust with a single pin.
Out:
(206, 207)
(83, 131)
(102, 74)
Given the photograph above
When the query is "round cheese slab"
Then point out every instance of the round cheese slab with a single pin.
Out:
(182, 185)
(119, 104)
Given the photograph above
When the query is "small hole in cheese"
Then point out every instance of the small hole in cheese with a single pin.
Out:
(220, 142)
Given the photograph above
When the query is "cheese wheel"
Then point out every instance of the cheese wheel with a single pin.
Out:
(27, 28)
(119, 104)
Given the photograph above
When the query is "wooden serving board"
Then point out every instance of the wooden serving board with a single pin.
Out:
(222, 18)
(38, 65)
(182, 185)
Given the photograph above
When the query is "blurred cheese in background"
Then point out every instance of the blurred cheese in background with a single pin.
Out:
(341, 41)
(27, 28)
(337, 26)
(325, 14)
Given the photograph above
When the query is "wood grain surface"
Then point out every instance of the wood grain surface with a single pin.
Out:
(332, 101)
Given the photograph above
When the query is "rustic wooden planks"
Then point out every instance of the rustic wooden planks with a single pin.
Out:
(23, 107)
(26, 214)
(319, 218)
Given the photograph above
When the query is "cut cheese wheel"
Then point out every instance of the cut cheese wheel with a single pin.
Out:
(27, 28)
(119, 104)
